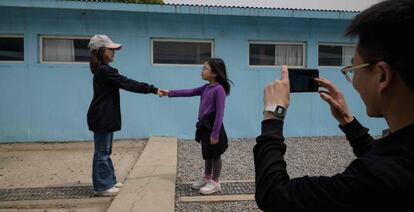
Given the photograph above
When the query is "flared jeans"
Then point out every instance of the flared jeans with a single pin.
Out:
(103, 173)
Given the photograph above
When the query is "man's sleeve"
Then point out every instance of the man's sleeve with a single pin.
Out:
(358, 137)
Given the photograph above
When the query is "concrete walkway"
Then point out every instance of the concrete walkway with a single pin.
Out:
(147, 171)
(150, 185)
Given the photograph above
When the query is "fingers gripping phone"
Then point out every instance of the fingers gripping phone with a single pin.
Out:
(303, 80)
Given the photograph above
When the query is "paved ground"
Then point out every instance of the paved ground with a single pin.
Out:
(40, 165)
(143, 166)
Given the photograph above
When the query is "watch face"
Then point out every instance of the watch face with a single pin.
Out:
(280, 110)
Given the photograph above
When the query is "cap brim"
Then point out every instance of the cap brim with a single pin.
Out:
(114, 46)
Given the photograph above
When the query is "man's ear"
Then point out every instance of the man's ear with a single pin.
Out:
(385, 75)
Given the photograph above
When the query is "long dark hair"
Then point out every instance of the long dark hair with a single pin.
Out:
(96, 59)
(219, 68)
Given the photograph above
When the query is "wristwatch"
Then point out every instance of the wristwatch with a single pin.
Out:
(278, 110)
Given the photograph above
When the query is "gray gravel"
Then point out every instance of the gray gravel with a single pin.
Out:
(223, 206)
(311, 156)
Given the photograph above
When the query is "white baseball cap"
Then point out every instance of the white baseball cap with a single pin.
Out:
(98, 41)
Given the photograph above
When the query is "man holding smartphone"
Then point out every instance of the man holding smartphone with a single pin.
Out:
(381, 178)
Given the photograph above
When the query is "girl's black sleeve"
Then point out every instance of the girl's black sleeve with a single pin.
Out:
(125, 83)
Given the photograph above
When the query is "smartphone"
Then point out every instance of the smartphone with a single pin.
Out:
(302, 80)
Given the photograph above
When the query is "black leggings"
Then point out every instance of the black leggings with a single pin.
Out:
(213, 168)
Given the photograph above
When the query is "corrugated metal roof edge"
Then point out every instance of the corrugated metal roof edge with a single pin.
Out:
(224, 6)
(271, 8)
(180, 9)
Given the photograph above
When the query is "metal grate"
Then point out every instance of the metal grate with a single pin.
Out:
(228, 188)
(78, 192)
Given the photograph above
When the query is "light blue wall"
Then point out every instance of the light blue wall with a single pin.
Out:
(45, 102)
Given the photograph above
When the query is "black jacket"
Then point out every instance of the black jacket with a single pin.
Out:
(203, 133)
(104, 114)
(381, 178)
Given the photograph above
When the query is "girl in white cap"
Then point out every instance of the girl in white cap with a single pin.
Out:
(104, 114)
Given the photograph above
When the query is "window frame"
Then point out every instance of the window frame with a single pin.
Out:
(211, 41)
(41, 37)
(303, 43)
(333, 44)
(24, 48)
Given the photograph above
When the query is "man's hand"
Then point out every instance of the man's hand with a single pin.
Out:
(336, 101)
(277, 92)
(162, 92)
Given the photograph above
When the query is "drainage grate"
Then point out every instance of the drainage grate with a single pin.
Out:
(78, 192)
(228, 188)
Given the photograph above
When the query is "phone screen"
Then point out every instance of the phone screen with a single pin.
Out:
(302, 80)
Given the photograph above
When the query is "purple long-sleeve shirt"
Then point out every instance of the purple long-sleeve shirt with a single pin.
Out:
(212, 98)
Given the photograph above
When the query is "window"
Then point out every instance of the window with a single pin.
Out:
(64, 49)
(335, 55)
(11, 48)
(276, 54)
(181, 52)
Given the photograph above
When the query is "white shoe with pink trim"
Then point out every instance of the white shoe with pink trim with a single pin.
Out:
(210, 187)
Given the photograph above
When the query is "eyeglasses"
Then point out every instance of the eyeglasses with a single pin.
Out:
(349, 71)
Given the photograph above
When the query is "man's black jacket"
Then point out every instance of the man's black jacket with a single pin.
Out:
(381, 178)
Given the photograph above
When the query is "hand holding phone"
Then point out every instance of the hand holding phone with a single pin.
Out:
(303, 80)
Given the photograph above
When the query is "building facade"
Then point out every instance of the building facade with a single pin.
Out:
(46, 85)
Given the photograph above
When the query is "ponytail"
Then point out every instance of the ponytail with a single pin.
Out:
(96, 59)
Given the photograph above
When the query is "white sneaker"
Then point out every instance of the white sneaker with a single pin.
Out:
(118, 185)
(210, 187)
(108, 192)
(199, 184)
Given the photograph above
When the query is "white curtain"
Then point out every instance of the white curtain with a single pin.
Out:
(291, 55)
(347, 54)
(58, 50)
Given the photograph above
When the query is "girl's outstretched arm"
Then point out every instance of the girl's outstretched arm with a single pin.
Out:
(187, 92)
(120, 81)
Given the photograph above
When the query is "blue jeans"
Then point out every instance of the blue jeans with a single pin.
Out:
(103, 174)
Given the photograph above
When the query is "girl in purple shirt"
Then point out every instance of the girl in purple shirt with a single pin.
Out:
(210, 130)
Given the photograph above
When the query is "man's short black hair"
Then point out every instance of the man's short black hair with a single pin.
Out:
(385, 32)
